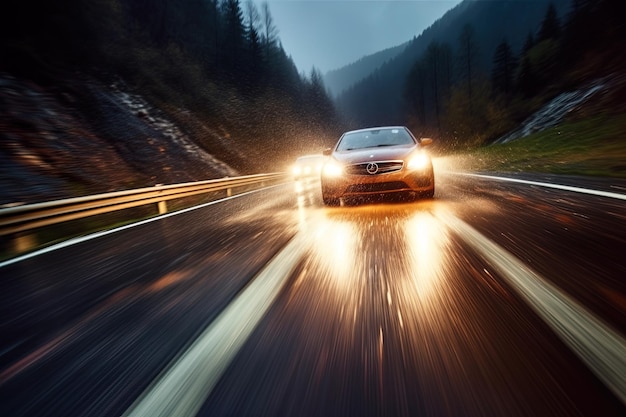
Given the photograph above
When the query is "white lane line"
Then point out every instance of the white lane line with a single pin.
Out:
(96, 235)
(599, 346)
(548, 185)
(186, 383)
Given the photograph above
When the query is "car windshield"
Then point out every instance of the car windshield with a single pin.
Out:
(374, 138)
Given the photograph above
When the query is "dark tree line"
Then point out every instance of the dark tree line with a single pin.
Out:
(503, 71)
(469, 107)
(220, 58)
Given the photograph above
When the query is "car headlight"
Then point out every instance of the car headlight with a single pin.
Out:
(332, 169)
(296, 170)
(419, 161)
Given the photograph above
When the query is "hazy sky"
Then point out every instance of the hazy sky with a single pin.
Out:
(329, 34)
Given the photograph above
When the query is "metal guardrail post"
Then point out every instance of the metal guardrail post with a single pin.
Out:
(162, 205)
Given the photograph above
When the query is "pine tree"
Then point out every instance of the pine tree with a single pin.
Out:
(233, 40)
(527, 79)
(415, 91)
(468, 58)
(550, 26)
(504, 64)
(269, 30)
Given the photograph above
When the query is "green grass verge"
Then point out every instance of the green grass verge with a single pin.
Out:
(591, 147)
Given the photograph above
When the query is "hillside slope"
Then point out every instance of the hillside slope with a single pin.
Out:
(493, 21)
(88, 137)
(339, 80)
(197, 89)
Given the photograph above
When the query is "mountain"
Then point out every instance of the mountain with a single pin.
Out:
(378, 98)
(130, 93)
(87, 137)
(337, 81)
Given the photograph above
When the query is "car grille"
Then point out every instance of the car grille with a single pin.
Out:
(384, 167)
(379, 187)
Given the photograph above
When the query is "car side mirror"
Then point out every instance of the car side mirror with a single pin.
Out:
(327, 152)
(426, 141)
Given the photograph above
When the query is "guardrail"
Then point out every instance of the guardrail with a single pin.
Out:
(17, 222)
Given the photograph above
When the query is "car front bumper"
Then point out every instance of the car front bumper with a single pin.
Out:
(405, 180)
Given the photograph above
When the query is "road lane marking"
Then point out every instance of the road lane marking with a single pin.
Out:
(600, 347)
(184, 386)
(96, 235)
(548, 185)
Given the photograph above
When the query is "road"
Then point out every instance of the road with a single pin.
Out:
(495, 298)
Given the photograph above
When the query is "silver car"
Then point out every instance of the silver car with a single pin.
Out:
(377, 161)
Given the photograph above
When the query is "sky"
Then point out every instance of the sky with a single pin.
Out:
(329, 34)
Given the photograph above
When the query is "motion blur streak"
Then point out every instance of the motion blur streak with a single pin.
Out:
(601, 348)
(183, 387)
(388, 308)
(556, 186)
(77, 240)
(428, 240)
(335, 243)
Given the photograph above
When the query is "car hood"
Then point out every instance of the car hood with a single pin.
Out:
(374, 154)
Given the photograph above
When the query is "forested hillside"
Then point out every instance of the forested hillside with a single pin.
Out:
(464, 39)
(215, 69)
(341, 79)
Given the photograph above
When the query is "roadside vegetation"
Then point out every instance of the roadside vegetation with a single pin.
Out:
(479, 79)
(565, 55)
(594, 147)
(220, 60)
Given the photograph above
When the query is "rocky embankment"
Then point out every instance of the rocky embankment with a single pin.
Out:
(86, 137)
(555, 111)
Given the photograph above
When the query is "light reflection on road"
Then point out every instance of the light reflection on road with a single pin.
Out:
(404, 242)
(335, 246)
(427, 243)
(384, 309)
(390, 293)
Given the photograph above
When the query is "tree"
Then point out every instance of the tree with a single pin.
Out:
(321, 106)
(233, 40)
(254, 59)
(415, 91)
(527, 82)
(213, 22)
(550, 26)
(428, 84)
(270, 31)
(468, 58)
(504, 64)
(438, 72)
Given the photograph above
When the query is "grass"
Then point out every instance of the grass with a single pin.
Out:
(591, 147)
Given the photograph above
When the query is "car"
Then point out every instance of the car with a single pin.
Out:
(377, 161)
(308, 166)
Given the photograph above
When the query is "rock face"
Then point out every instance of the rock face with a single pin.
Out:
(555, 111)
(86, 137)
